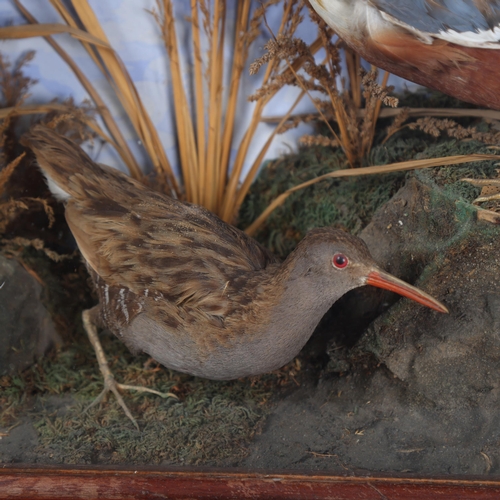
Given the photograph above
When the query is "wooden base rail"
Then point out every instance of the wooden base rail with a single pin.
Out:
(74, 483)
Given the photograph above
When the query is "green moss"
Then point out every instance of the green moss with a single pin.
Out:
(449, 179)
(345, 203)
(210, 422)
(350, 203)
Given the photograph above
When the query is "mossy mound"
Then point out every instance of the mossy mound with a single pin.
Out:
(345, 203)
(351, 202)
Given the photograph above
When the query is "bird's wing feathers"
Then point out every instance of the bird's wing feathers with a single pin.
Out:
(471, 23)
(403, 46)
(163, 246)
(143, 241)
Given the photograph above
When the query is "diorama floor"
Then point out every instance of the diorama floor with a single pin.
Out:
(384, 385)
(340, 424)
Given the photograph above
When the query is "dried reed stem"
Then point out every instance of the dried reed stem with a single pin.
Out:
(240, 57)
(128, 96)
(184, 125)
(205, 129)
(30, 31)
(200, 108)
(234, 195)
(214, 104)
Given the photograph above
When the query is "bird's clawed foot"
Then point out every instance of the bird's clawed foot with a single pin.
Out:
(110, 384)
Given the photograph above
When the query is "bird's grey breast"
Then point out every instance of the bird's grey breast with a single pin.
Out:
(199, 353)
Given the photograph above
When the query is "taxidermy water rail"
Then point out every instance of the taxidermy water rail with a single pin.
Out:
(196, 294)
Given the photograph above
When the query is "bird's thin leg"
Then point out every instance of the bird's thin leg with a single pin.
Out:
(110, 384)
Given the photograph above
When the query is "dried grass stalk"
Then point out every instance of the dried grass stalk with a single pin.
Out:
(8, 171)
(205, 127)
(383, 169)
(128, 96)
(486, 114)
(30, 31)
(115, 138)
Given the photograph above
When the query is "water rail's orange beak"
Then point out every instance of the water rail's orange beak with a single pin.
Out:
(387, 281)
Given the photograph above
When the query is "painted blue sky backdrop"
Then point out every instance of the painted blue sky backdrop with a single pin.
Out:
(133, 33)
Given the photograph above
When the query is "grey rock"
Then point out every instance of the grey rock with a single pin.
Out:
(453, 360)
(26, 329)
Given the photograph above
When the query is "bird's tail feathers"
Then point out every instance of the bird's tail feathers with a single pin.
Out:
(60, 160)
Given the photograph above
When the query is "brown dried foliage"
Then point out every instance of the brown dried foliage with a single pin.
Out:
(205, 130)
(436, 127)
(296, 65)
(14, 87)
(204, 117)
(66, 117)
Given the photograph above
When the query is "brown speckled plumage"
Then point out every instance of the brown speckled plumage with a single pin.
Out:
(195, 293)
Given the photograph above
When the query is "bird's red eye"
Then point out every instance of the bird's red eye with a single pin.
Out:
(340, 261)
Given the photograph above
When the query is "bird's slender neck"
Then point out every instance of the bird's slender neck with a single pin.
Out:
(303, 302)
(295, 304)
